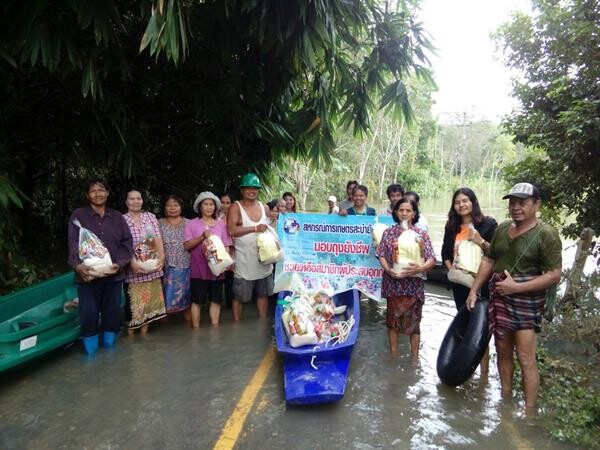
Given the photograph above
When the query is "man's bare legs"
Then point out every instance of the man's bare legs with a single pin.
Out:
(262, 304)
(526, 343)
(236, 309)
(506, 367)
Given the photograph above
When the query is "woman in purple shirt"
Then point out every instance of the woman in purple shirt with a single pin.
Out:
(202, 282)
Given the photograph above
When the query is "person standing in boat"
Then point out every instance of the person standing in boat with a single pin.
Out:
(100, 296)
(203, 282)
(143, 288)
(404, 290)
(176, 281)
(466, 222)
(246, 218)
(524, 259)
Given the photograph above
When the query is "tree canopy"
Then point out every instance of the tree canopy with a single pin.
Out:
(556, 51)
(220, 88)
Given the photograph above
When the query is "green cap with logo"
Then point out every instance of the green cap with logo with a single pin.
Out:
(250, 180)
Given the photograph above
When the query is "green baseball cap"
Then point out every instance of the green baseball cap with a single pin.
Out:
(250, 180)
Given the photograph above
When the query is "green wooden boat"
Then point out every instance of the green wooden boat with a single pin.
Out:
(37, 320)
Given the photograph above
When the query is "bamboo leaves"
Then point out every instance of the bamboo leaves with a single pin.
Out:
(166, 31)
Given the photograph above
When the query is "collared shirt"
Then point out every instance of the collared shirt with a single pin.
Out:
(111, 229)
(368, 211)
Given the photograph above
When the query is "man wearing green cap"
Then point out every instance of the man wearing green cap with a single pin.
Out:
(245, 219)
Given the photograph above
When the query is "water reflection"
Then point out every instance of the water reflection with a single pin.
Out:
(406, 403)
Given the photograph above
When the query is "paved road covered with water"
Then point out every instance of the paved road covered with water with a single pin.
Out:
(177, 387)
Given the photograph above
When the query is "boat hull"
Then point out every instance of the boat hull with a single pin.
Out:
(317, 374)
(33, 321)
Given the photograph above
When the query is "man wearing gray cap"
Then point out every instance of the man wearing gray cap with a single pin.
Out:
(524, 260)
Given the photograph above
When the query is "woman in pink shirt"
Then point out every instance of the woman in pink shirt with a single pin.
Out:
(202, 281)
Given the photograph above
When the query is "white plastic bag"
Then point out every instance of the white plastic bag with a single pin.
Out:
(377, 233)
(145, 254)
(461, 277)
(269, 247)
(93, 253)
(297, 321)
(409, 250)
(217, 255)
(468, 257)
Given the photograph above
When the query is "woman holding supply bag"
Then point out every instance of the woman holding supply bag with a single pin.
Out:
(467, 237)
(143, 287)
(466, 225)
(403, 263)
(198, 232)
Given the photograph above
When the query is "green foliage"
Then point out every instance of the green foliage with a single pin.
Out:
(556, 51)
(570, 399)
(219, 88)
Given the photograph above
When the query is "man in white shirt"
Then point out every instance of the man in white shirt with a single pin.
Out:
(333, 207)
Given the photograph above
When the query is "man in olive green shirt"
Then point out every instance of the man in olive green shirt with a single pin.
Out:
(523, 261)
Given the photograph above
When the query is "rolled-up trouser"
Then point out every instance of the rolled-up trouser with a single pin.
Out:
(100, 296)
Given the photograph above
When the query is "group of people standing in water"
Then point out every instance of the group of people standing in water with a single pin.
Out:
(522, 259)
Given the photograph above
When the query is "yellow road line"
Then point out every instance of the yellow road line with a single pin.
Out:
(233, 427)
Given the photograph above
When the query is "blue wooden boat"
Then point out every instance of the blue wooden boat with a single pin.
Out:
(327, 383)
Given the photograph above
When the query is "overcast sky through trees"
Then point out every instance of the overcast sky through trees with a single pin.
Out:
(469, 73)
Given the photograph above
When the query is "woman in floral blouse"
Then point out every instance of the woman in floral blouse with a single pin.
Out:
(143, 288)
(404, 290)
(176, 282)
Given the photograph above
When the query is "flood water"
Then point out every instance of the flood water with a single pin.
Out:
(176, 388)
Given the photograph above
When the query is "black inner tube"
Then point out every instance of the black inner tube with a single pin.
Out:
(464, 344)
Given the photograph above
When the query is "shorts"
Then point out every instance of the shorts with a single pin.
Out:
(243, 289)
(201, 289)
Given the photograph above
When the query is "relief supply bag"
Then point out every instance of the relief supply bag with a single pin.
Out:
(217, 255)
(409, 249)
(145, 254)
(297, 321)
(93, 253)
(269, 247)
(461, 277)
(468, 257)
(377, 233)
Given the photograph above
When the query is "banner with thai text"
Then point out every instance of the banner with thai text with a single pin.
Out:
(329, 252)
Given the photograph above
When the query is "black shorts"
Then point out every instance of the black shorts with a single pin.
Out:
(203, 290)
